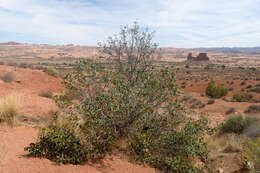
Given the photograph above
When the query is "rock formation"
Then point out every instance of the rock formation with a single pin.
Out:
(200, 57)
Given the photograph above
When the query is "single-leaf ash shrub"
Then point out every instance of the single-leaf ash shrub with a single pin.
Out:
(129, 99)
(58, 144)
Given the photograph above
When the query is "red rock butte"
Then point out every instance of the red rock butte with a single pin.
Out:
(200, 57)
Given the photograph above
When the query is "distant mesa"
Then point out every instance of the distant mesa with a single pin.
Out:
(200, 57)
(10, 43)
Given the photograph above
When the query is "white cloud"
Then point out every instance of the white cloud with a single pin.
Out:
(189, 23)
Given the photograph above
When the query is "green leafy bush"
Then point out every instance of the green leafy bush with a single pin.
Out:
(58, 144)
(169, 150)
(215, 91)
(130, 99)
(242, 97)
(236, 124)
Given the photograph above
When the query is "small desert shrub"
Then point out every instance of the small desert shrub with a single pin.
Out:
(39, 68)
(187, 98)
(169, 151)
(8, 77)
(51, 71)
(249, 86)
(227, 99)
(253, 131)
(12, 64)
(193, 102)
(252, 154)
(230, 111)
(236, 124)
(197, 104)
(253, 109)
(58, 144)
(215, 91)
(9, 109)
(47, 94)
(255, 89)
(2, 63)
(23, 65)
(211, 101)
(242, 97)
(243, 83)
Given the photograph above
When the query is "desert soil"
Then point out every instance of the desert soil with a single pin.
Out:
(27, 85)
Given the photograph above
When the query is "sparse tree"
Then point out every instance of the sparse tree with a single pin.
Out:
(132, 50)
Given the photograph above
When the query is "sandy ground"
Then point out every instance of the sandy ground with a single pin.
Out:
(27, 85)
(13, 159)
(217, 112)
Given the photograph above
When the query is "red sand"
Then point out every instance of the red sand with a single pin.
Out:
(27, 85)
(13, 160)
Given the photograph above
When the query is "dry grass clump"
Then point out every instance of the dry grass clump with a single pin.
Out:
(9, 108)
(252, 154)
(8, 77)
(234, 143)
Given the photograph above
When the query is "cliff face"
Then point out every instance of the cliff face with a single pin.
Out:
(200, 57)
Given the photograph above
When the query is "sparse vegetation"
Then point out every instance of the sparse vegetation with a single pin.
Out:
(252, 154)
(243, 83)
(132, 101)
(215, 91)
(234, 143)
(230, 111)
(236, 124)
(249, 86)
(9, 109)
(58, 144)
(211, 101)
(47, 94)
(253, 131)
(242, 97)
(8, 77)
(255, 89)
(253, 109)
(51, 71)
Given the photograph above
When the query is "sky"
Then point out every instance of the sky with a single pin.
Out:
(177, 23)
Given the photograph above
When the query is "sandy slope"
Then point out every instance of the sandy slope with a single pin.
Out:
(13, 160)
(27, 85)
